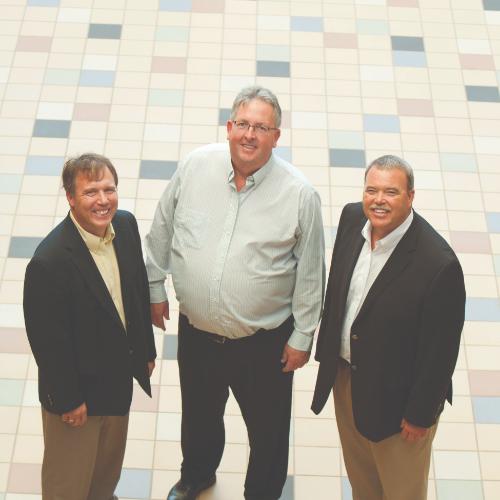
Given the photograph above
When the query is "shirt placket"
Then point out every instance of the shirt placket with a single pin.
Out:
(221, 257)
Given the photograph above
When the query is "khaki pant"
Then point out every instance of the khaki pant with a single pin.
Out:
(392, 469)
(82, 463)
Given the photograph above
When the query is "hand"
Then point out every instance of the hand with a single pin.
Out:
(151, 367)
(76, 417)
(158, 312)
(410, 432)
(293, 358)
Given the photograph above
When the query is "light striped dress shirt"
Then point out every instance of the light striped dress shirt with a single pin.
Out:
(240, 261)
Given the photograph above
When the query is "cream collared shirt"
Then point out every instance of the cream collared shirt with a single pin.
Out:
(104, 255)
(370, 263)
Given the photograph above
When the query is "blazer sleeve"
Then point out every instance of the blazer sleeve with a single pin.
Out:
(47, 314)
(145, 303)
(443, 314)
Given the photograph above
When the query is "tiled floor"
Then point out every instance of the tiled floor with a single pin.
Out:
(146, 81)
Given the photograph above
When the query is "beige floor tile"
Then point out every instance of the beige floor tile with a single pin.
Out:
(317, 461)
(28, 449)
(30, 421)
(139, 454)
(315, 432)
(317, 487)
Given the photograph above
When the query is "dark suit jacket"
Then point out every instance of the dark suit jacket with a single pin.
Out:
(406, 336)
(80, 345)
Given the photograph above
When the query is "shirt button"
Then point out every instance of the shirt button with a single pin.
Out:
(354, 368)
(354, 337)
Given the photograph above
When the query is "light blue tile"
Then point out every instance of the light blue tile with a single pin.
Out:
(172, 33)
(409, 59)
(30, 396)
(345, 139)
(273, 68)
(381, 123)
(170, 347)
(482, 309)
(134, 483)
(284, 152)
(11, 392)
(372, 27)
(10, 183)
(165, 97)
(305, 23)
(407, 43)
(480, 93)
(44, 165)
(458, 490)
(493, 222)
(23, 247)
(106, 31)
(62, 76)
(97, 78)
(43, 3)
(491, 4)
(486, 410)
(288, 489)
(51, 128)
(458, 162)
(273, 53)
(496, 260)
(346, 489)
(224, 115)
(157, 169)
(175, 5)
(347, 158)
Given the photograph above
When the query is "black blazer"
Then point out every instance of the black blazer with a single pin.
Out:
(80, 345)
(406, 336)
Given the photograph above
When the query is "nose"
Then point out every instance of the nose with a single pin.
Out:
(250, 131)
(379, 197)
(101, 197)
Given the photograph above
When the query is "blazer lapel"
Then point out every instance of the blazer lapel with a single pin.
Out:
(399, 259)
(81, 257)
(125, 266)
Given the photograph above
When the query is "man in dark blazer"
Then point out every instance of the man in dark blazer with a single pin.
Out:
(86, 308)
(389, 337)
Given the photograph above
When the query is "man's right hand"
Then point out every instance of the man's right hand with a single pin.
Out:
(158, 313)
(76, 417)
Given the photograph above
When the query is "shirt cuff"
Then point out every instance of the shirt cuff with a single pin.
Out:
(300, 341)
(157, 292)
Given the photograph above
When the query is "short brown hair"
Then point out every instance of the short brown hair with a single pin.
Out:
(89, 164)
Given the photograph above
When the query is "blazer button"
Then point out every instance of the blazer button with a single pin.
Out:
(354, 337)
(131, 351)
(354, 368)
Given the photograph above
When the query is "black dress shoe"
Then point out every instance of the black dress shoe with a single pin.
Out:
(183, 490)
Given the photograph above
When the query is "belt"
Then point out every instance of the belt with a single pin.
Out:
(218, 339)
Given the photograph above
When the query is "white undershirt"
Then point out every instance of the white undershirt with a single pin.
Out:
(370, 263)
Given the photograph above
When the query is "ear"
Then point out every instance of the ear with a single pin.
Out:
(229, 127)
(411, 195)
(277, 134)
(71, 199)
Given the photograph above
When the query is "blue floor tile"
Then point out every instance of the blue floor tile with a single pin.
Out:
(409, 59)
(224, 115)
(170, 347)
(44, 165)
(157, 169)
(134, 483)
(486, 410)
(491, 4)
(175, 5)
(305, 23)
(407, 43)
(448, 489)
(52, 128)
(43, 3)
(346, 489)
(11, 392)
(273, 68)
(288, 489)
(10, 183)
(493, 222)
(481, 93)
(96, 78)
(381, 123)
(23, 247)
(106, 31)
(347, 158)
(482, 309)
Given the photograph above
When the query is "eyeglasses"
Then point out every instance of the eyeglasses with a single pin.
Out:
(259, 128)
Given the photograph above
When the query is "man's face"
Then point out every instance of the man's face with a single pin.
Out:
(386, 200)
(249, 149)
(94, 201)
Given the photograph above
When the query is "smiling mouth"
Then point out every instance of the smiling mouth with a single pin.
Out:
(380, 211)
(102, 213)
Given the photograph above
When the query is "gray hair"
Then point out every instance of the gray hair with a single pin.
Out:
(389, 162)
(256, 92)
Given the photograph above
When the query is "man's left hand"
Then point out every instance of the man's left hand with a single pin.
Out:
(410, 432)
(151, 367)
(293, 358)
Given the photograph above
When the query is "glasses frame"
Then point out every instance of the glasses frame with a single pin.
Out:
(243, 126)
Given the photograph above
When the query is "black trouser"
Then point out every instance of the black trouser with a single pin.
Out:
(252, 368)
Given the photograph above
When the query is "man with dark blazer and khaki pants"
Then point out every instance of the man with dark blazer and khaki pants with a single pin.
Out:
(86, 308)
(389, 337)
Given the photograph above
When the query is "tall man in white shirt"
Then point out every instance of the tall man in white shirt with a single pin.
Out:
(389, 337)
(240, 231)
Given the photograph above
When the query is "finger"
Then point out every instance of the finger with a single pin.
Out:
(158, 322)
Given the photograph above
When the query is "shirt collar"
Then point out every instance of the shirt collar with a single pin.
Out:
(393, 238)
(257, 177)
(93, 242)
